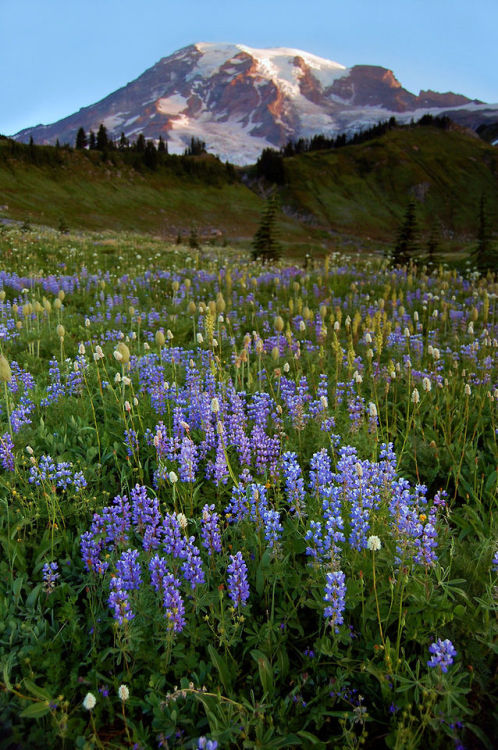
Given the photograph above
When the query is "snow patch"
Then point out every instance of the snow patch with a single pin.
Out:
(171, 105)
(230, 140)
(113, 121)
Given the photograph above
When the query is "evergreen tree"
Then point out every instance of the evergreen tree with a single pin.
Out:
(162, 147)
(407, 242)
(32, 151)
(150, 155)
(433, 245)
(484, 256)
(193, 240)
(140, 144)
(102, 139)
(196, 148)
(265, 244)
(81, 139)
(270, 165)
(124, 143)
(92, 142)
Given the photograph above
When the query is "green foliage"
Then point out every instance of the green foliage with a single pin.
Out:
(270, 165)
(485, 255)
(362, 189)
(102, 142)
(265, 244)
(81, 139)
(407, 243)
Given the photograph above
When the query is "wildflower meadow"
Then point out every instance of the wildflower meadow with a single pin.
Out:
(242, 505)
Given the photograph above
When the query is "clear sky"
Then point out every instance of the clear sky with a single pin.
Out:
(59, 55)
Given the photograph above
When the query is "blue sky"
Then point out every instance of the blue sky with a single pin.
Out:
(59, 55)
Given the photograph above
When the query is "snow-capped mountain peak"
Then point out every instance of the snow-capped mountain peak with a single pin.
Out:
(240, 99)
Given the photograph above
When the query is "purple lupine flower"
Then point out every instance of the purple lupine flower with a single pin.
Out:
(218, 469)
(128, 569)
(131, 442)
(428, 543)
(20, 377)
(266, 451)
(319, 404)
(238, 507)
(74, 380)
(294, 482)
(273, 529)
(335, 593)
(258, 502)
(334, 523)
(442, 654)
(117, 521)
(21, 414)
(315, 536)
(7, 452)
(259, 408)
(50, 576)
(320, 471)
(173, 603)
(173, 539)
(211, 538)
(192, 567)
(188, 460)
(495, 562)
(118, 601)
(91, 549)
(55, 389)
(238, 585)
(79, 481)
(61, 474)
(145, 510)
(158, 568)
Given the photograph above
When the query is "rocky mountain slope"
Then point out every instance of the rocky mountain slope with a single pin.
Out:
(240, 100)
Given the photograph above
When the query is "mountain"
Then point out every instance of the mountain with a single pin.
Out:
(239, 100)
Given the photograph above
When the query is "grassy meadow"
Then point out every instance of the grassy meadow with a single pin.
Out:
(244, 506)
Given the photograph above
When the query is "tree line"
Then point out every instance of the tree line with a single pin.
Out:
(409, 248)
(270, 164)
(101, 141)
(139, 155)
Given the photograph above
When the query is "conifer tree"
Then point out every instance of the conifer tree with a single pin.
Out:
(162, 147)
(102, 139)
(193, 240)
(196, 148)
(150, 155)
(407, 242)
(270, 165)
(265, 244)
(92, 142)
(124, 143)
(485, 256)
(433, 244)
(140, 143)
(81, 139)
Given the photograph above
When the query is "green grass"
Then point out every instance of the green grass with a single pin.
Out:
(89, 193)
(357, 193)
(364, 189)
